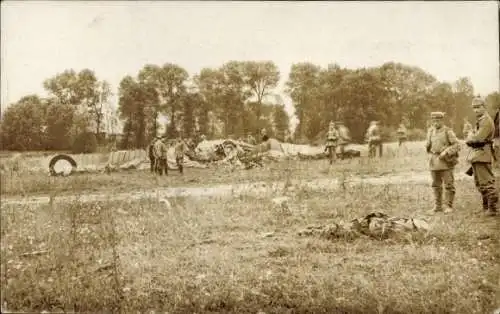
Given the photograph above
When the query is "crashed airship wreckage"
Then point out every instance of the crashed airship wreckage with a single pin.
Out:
(218, 152)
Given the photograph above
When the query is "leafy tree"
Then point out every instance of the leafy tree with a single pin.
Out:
(302, 86)
(493, 102)
(261, 78)
(23, 125)
(63, 125)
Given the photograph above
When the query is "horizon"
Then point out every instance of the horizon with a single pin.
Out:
(441, 38)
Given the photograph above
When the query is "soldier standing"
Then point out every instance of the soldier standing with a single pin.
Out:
(496, 137)
(151, 155)
(402, 133)
(344, 137)
(160, 156)
(443, 146)
(331, 142)
(374, 139)
(481, 156)
(264, 136)
(251, 139)
(467, 128)
(180, 150)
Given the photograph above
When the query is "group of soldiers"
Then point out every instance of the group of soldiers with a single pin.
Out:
(441, 144)
(443, 147)
(158, 151)
(338, 136)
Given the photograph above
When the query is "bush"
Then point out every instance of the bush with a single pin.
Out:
(85, 143)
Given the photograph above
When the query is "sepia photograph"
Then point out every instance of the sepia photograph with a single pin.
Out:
(250, 157)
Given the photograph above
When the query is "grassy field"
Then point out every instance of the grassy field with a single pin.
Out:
(244, 254)
(410, 159)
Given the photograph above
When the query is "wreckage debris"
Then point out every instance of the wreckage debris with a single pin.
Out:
(237, 154)
(57, 158)
(376, 225)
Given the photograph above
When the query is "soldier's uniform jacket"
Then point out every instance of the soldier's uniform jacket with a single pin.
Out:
(484, 131)
(344, 137)
(160, 149)
(332, 137)
(251, 140)
(373, 133)
(180, 149)
(439, 140)
(497, 124)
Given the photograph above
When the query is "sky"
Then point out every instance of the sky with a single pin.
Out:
(41, 39)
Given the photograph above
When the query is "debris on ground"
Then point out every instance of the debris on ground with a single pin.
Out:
(223, 152)
(377, 225)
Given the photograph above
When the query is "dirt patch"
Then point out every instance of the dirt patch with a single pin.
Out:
(262, 188)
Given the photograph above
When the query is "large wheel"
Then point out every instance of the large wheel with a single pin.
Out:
(59, 157)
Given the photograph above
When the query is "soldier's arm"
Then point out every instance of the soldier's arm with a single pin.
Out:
(428, 141)
(483, 132)
(454, 143)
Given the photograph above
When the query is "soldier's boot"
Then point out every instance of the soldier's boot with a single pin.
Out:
(485, 202)
(438, 200)
(492, 204)
(449, 198)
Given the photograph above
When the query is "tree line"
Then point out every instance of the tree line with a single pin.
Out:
(234, 100)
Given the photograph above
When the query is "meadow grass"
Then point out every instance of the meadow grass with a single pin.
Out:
(244, 255)
(28, 183)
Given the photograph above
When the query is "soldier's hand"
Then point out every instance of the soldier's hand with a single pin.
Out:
(442, 155)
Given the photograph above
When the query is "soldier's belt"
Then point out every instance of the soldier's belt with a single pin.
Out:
(478, 144)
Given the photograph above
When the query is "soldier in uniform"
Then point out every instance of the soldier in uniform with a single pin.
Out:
(496, 137)
(180, 150)
(331, 141)
(374, 139)
(402, 133)
(251, 139)
(443, 146)
(344, 137)
(151, 155)
(160, 156)
(263, 134)
(467, 128)
(481, 156)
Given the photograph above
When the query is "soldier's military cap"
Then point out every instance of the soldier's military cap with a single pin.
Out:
(437, 115)
(478, 101)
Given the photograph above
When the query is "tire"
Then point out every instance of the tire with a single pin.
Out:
(59, 157)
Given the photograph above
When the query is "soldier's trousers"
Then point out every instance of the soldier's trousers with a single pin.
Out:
(332, 153)
(485, 183)
(440, 178)
(152, 163)
(372, 149)
(180, 163)
(161, 166)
